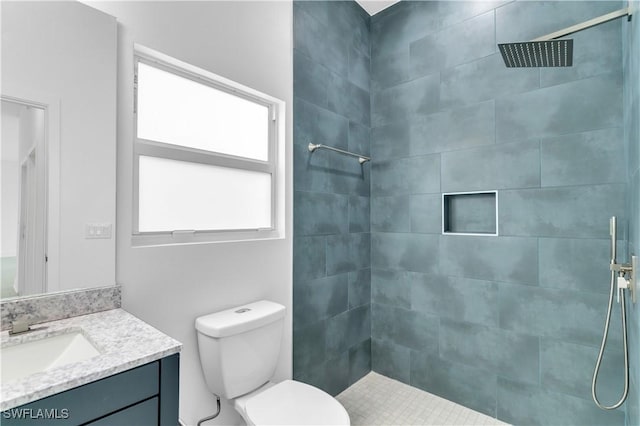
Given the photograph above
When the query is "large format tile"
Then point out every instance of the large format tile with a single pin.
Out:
(426, 213)
(390, 214)
(522, 21)
(457, 44)
(304, 249)
(359, 213)
(407, 328)
(490, 258)
(580, 211)
(390, 69)
(450, 130)
(453, 12)
(419, 96)
(359, 139)
(575, 264)
(410, 252)
(473, 387)
(359, 361)
(596, 52)
(392, 287)
(359, 288)
(319, 299)
(359, 64)
(564, 367)
(521, 404)
(308, 347)
(348, 252)
(512, 165)
(461, 299)
(507, 354)
(413, 175)
(390, 141)
(572, 316)
(315, 40)
(589, 104)
(310, 80)
(320, 213)
(583, 158)
(484, 79)
(400, 24)
(348, 329)
(390, 360)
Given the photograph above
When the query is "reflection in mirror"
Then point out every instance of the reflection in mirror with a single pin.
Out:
(58, 89)
(24, 165)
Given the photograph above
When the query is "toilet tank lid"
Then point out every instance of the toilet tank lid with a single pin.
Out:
(240, 319)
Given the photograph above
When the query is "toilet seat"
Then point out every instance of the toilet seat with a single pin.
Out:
(294, 403)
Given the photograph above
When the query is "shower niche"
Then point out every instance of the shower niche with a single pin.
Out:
(470, 213)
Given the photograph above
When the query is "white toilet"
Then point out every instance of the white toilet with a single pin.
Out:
(239, 349)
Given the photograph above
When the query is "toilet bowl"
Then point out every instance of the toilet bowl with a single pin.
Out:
(239, 350)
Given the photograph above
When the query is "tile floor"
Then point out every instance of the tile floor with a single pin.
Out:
(379, 400)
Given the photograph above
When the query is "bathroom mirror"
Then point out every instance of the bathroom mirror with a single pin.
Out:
(58, 151)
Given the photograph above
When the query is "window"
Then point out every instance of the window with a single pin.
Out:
(205, 155)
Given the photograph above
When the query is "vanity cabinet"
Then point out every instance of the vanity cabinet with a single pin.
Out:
(145, 395)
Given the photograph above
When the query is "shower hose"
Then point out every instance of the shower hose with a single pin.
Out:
(623, 311)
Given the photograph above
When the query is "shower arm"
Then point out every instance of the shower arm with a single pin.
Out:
(587, 24)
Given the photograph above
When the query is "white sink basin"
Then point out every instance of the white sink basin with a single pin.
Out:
(23, 359)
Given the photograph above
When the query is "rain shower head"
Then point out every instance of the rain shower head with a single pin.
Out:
(549, 53)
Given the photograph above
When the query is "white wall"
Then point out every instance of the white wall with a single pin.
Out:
(9, 190)
(66, 51)
(169, 286)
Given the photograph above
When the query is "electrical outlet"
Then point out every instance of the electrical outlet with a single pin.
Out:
(97, 230)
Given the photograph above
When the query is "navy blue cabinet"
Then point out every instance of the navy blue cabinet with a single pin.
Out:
(145, 395)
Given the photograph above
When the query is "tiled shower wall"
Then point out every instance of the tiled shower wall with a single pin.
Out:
(507, 325)
(331, 271)
(631, 85)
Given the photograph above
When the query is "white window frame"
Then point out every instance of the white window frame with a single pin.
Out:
(273, 165)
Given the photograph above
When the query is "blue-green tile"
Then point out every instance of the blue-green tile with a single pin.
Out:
(309, 346)
(392, 287)
(359, 288)
(451, 130)
(359, 64)
(390, 360)
(390, 141)
(453, 12)
(484, 79)
(359, 214)
(305, 248)
(453, 45)
(470, 386)
(390, 214)
(411, 252)
(575, 264)
(514, 165)
(390, 69)
(582, 158)
(310, 80)
(572, 316)
(359, 361)
(359, 139)
(490, 258)
(320, 213)
(574, 212)
(505, 353)
(520, 403)
(411, 329)
(414, 175)
(419, 96)
(319, 299)
(589, 104)
(462, 299)
(347, 252)
(426, 213)
(564, 367)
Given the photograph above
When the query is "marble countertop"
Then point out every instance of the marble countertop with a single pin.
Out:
(123, 340)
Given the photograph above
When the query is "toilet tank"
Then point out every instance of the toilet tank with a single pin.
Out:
(239, 347)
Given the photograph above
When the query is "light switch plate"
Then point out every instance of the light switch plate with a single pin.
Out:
(97, 230)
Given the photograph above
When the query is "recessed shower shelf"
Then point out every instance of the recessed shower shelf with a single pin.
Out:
(470, 213)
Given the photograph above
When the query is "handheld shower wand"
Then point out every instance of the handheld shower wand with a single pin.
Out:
(617, 274)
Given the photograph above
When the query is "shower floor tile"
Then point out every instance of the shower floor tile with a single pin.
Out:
(379, 400)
